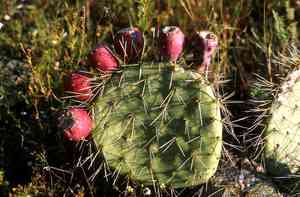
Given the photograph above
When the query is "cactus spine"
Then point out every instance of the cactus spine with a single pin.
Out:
(159, 125)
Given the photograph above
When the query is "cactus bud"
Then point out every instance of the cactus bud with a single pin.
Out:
(79, 85)
(171, 42)
(76, 123)
(103, 58)
(129, 43)
(204, 45)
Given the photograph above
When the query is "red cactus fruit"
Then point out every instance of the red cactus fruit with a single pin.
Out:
(103, 58)
(79, 85)
(76, 123)
(129, 43)
(204, 45)
(171, 42)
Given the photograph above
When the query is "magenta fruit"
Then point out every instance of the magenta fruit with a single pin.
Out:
(129, 43)
(76, 123)
(79, 85)
(204, 45)
(171, 42)
(103, 59)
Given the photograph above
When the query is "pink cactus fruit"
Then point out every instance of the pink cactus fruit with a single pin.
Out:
(129, 43)
(76, 123)
(79, 85)
(171, 42)
(103, 59)
(205, 44)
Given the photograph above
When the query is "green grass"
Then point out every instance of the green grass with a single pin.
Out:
(41, 41)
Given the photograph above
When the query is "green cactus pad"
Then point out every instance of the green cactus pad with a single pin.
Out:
(282, 146)
(158, 124)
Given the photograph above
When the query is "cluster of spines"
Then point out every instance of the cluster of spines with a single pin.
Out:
(123, 139)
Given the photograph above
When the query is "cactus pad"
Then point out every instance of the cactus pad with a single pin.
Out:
(159, 125)
(283, 133)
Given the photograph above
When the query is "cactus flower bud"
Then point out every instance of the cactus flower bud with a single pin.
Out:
(76, 123)
(205, 44)
(129, 43)
(171, 42)
(79, 85)
(103, 58)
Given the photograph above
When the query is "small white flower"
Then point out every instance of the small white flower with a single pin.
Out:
(65, 34)
(54, 42)
(147, 191)
(56, 65)
(1, 25)
(6, 17)
(34, 32)
(20, 6)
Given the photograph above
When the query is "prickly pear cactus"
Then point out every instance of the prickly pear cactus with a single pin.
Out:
(282, 146)
(159, 125)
